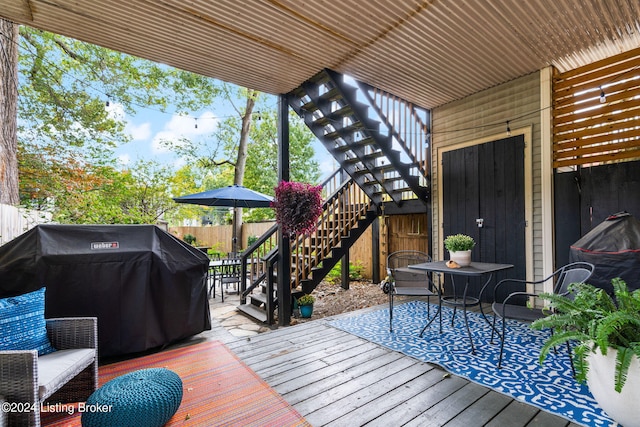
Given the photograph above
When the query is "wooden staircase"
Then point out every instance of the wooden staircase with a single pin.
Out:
(378, 139)
(347, 213)
(381, 143)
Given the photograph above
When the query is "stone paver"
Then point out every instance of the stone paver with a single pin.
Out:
(227, 315)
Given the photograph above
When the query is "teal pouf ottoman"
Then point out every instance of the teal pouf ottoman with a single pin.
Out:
(144, 398)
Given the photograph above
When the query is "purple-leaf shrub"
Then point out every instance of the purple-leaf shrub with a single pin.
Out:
(298, 206)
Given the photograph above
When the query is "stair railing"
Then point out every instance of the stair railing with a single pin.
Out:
(253, 261)
(344, 205)
(340, 213)
(404, 122)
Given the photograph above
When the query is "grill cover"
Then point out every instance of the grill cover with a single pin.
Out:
(146, 287)
(613, 246)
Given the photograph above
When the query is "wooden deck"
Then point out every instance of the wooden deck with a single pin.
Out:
(337, 379)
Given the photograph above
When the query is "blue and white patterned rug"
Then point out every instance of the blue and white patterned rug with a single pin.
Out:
(549, 387)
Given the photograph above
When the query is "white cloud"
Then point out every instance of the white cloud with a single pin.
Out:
(179, 163)
(115, 111)
(158, 144)
(124, 159)
(183, 127)
(139, 132)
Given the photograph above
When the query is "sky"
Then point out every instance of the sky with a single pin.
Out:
(148, 127)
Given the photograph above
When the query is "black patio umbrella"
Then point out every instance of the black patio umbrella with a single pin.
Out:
(233, 196)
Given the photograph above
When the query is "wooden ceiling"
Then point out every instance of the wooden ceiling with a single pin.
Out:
(428, 52)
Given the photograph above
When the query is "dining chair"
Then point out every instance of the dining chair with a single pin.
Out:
(230, 274)
(211, 280)
(517, 305)
(409, 282)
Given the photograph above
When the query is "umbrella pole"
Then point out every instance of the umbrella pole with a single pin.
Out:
(234, 233)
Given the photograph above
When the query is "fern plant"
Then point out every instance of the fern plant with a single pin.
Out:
(595, 320)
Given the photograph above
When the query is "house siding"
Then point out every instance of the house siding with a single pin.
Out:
(484, 115)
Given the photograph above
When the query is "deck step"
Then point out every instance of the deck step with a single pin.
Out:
(253, 312)
(260, 298)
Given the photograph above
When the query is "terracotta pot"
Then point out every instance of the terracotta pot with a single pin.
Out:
(463, 258)
(622, 407)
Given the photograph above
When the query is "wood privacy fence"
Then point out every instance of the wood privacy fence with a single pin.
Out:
(397, 232)
(15, 221)
(219, 236)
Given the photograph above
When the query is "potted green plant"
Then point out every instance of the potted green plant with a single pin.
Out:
(190, 239)
(305, 303)
(459, 247)
(607, 333)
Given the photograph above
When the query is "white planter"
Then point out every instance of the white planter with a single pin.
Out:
(623, 407)
(463, 258)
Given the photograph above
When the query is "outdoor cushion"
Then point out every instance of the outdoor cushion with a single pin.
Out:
(143, 398)
(58, 368)
(22, 323)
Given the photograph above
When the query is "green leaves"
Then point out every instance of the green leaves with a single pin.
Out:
(136, 196)
(591, 317)
(66, 131)
(459, 242)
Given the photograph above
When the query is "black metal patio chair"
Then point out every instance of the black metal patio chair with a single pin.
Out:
(230, 274)
(410, 282)
(515, 305)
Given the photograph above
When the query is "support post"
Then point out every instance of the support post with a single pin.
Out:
(375, 250)
(284, 245)
(344, 271)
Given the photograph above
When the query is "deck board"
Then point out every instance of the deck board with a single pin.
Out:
(515, 414)
(360, 397)
(447, 409)
(334, 378)
(360, 377)
(482, 410)
(381, 403)
(419, 403)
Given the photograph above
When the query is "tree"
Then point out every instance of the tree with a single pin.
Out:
(262, 163)
(260, 170)
(63, 122)
(186, 180)
(139, 195)
(241, 158)
(8, 115)
(66, 135)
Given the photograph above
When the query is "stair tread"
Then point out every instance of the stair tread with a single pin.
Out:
(253, 311)
(345, 131)
(262, 298)
(352, 146)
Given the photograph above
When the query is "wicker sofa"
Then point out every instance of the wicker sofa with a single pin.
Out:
(69, 374)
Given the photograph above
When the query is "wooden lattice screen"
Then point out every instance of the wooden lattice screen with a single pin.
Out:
(596, 112)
